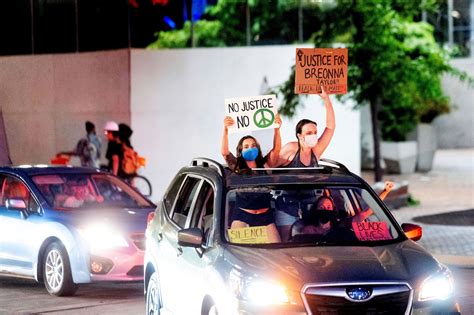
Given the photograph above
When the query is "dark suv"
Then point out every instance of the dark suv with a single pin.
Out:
(259, 243)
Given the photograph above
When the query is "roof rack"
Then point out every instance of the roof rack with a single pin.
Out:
(287, 168)
(335, 163)
(205, 162)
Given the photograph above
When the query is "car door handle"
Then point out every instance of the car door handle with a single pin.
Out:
(180, 251)
(159, 237)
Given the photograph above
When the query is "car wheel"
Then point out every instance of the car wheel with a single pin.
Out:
(212, 310)
(57, 271)
(209, 308)
(153, 295)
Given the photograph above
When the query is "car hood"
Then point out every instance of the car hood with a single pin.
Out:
(404, 261)
(120, 219)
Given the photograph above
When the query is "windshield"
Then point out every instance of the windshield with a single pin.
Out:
(69, 191)
(314, 215)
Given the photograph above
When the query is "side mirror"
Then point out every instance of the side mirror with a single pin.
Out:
(412, 231)
(191, 237)
(15, 204)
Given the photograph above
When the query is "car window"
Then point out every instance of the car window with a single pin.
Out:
(204, 209)
(13, 188)
(172, 192)
(184, 201)
(70, 191)
(310, 215)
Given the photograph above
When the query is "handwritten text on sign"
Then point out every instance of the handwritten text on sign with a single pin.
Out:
(321, 66)
(371, 231)
(251, 112)
(249, 235)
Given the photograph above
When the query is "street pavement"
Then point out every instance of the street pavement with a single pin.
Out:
(447, 188)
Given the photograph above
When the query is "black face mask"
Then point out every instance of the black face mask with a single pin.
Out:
(314, 217)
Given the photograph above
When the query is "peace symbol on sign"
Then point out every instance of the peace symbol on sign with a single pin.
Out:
(263, 118)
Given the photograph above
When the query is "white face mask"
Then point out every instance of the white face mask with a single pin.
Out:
(310, 140)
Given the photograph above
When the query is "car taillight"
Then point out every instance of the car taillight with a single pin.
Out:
(150, 217)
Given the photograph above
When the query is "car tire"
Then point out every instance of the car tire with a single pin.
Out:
(153, 295)
(209, 308)
(212, 310)
(57, 275)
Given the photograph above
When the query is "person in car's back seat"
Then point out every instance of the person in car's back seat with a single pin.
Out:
(16, 190)
(254, 209)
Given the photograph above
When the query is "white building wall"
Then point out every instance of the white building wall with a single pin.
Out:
(46, 99)
(456, 129)
(177, 105)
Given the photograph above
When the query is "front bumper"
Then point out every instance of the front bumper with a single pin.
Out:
(123, 265)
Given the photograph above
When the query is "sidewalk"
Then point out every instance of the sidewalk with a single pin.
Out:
(448, 187)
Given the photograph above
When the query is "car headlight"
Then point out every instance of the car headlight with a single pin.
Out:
(258, 291)
(439, 286)
(102, 237)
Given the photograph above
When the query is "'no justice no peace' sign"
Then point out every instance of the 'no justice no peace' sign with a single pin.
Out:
(251, 112)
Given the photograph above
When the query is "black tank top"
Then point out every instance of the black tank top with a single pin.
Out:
(296, 162)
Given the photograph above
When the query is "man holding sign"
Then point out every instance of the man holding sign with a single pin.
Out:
(246, 114)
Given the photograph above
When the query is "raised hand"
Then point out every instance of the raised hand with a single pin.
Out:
(388, 186)
(228, 121)
(278, 121)
(323, 93)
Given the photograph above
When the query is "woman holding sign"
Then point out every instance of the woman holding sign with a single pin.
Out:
(307, 151)
(249, 154)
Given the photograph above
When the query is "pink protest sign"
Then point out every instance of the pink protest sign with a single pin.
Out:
(371, 231)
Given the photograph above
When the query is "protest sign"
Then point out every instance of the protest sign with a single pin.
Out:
(251, 112)
(371, 231)
(249, 235)
(321, 66)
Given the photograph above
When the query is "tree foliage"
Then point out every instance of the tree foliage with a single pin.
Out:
(391, 57)
(206, 34)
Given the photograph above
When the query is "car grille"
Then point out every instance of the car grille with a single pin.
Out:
(139, 240)
(136, 271)
(333, 300)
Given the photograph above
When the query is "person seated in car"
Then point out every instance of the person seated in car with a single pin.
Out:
(80, 195)
(17, 190)
(319, 219)
(254, 209)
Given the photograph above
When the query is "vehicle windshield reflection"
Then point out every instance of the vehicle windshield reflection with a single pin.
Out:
(329, 215)
(86, 191)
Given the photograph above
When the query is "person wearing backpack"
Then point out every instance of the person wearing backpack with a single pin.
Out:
(88, 148)
(129, 163)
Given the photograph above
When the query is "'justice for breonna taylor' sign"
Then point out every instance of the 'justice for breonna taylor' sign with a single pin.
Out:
(321, 66)
(251, 112)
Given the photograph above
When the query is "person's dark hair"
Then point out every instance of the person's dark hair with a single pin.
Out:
(241, 163)
(124, 133)
(300, 124)
(313, 215)
(322, 198)
(90, 127)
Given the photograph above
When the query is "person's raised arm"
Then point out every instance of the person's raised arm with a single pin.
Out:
(386, 190)
(326, 136)
(274, 154)
(367, 213)
(228, 121)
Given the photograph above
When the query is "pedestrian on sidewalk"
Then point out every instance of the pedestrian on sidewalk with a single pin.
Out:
(88, 148)
(114, 153)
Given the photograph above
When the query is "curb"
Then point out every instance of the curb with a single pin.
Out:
(457, 261)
